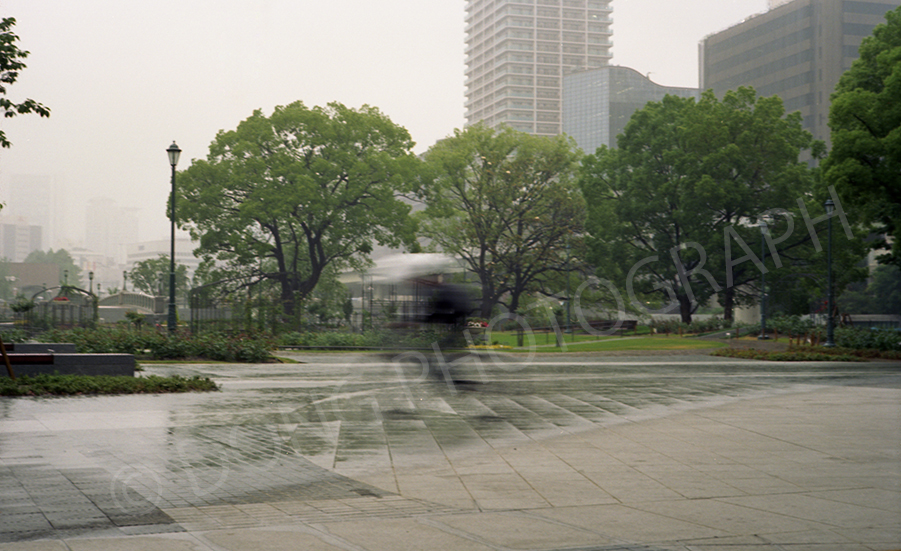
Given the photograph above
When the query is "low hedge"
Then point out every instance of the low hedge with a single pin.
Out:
(370, 339)
(808, 354)
(156, 345)
(68, 385)
(845, 337)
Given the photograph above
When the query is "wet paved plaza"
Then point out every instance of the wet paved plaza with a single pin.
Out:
(321, 438)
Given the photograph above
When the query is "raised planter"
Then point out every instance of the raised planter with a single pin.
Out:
(41, 347)
(60, 358)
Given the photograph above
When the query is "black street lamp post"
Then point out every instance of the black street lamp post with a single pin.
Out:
(830, 293)
(173, 152)
(763, 229)
(569, 327)
(94, 301)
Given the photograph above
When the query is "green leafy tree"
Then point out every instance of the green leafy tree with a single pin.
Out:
(686, 171)
(865, 117)
(507, 204)
(69, 273)
(11, 62)
(151, 276)
(300, 191)
(6, 284)
(881, 295)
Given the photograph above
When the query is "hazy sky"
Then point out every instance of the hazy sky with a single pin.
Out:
(124, 78)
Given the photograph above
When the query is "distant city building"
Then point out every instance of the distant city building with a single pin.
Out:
(148, 250)
(19, 238)
(33, 198)
(517, 53)
(109, 228)
(598, 103)
(797, 50)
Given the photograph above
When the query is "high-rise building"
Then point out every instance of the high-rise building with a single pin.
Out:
(797, 50)
(18, 239)
(34, 198)
(518, 51)
(110, 228)
(598, 103)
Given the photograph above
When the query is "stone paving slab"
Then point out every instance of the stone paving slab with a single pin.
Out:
(617, 457)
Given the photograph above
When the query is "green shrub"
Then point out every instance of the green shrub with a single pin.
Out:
(14, 336)
(845, 337)
(878, 339)
(804, 354)
(370, 339)
(67, 385)
(672, 326)
(216, 346)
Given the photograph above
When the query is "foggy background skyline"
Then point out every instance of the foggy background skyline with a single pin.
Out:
(125, 79)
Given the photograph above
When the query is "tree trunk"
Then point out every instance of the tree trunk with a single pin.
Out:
(287, 296)
(728, 304)
(685, 308)
(488, 299)
(514, 302)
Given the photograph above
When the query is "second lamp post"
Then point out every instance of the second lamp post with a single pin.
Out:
(830, 292)
(763, 229)
(171, 320)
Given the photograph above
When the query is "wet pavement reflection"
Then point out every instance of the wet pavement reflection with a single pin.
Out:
(300, 431)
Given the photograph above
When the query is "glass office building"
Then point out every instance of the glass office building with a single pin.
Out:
(598, 103)
(797, 50)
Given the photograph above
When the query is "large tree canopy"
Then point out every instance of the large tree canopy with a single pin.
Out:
(671, 208)
(11, 62)
(507, 204)
(151, 276)
(289, 195)
(865, 162)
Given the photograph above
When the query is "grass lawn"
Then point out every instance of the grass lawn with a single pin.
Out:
(509, 338)
(591, 343)
(645, 343)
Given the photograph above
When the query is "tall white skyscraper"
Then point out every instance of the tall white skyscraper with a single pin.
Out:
(110, 228)
(517, 52)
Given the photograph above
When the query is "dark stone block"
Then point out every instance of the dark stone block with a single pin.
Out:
(41, 347)
(78, 364)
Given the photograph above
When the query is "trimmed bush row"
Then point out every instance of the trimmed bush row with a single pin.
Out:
(371, 339)
(163, 346)
(808, 354)
(845, 337)
(788, 356)
(67, 385)
(696, 326)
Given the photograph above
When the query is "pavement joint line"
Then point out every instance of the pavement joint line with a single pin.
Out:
(532, 515)
(323, 534)
(461, 534)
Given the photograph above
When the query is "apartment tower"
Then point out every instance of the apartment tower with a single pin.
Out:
(797, 50)
(518, 51)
